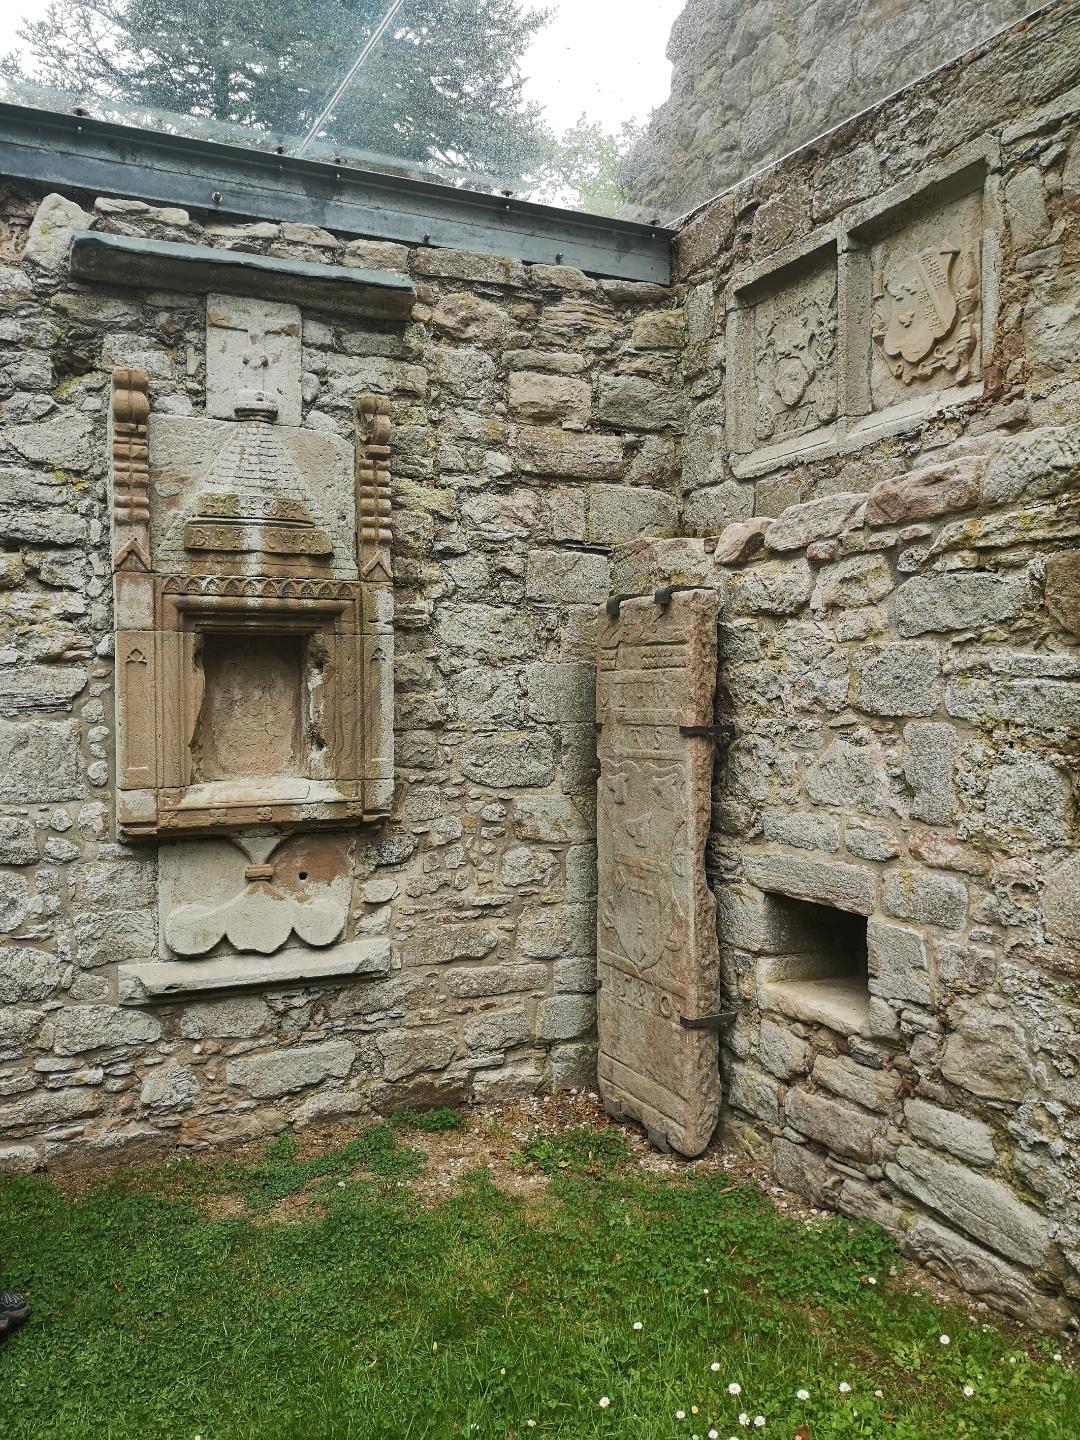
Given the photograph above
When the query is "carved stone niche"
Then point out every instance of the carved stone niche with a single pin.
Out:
(253, 599)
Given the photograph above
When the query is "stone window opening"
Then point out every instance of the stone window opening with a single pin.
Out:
(818, 972)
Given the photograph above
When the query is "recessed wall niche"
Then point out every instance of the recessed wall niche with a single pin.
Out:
(821, 976)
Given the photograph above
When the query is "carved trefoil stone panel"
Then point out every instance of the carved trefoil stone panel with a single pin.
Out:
(254, 664)
(657, 957)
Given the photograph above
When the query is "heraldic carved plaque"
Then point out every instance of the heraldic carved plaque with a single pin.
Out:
(657, 959)
(926, 303)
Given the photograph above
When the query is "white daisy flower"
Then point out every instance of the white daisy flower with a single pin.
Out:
(759, 1421)
(744, 1419)
(969, 1391)
(734, 1388)
(714, 1435)
(604, 1402)
(638, 1325)
(880, 1394)
(844, 1388)
(944, 1340)
(680, 1414)
(715, 1366)
(802, 1394)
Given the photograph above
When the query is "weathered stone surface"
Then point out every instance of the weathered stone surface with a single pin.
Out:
(851, 777)
(983, 1275)
(782, 1052)
(956, 602)
(1035, 466)
(986, 1053)
(776, 588)
(1037, 704)
(798, 525)
(721, 507)
(570, 456)
(468, 317)
(896, 679)
(409, 1052)
(656, 934)
(1061, 900)
(985, 1209)
(40, 762)
(619, 513)
(497, 1030)
(741, 541)
(17, 843)
(240, 1018)
(1029, 798)
(967, 1139)
(247, 337)
(102, 1027)
(839, 1127)
(923, 494)
(1062, 593)
(508, 761)
(858, 580)
(929, 764)
(284, 1072)
(873, 1089)
(50, 1107)
(800, 828)
(27, 975)
(566, 1017)
(634, 403)
(169, 1087)
(541, 397)
(830, 882)
(896, 961)
(568, 577)
(54, 223)
(930, 899)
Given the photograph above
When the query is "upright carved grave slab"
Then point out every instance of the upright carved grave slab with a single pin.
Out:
(656, 926)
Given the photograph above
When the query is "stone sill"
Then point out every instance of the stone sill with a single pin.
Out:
(165, 980)
(847, 435)
(166, 265)
(840, 1002)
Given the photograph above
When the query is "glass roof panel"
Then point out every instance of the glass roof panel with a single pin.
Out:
(539, 98)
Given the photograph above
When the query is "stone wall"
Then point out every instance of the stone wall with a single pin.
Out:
(534, 426)
(898, 657)
(754, 81)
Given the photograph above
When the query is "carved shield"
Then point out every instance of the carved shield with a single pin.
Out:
(921, 291)
(656, 922)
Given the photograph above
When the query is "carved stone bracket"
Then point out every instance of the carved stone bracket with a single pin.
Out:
(373, 490)
(131, 470)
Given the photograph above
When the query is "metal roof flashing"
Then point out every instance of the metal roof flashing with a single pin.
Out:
(76, 152)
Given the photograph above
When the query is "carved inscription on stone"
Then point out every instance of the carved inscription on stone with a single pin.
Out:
(926, 303)
(656, 929)
(252, 345)
(794, 357)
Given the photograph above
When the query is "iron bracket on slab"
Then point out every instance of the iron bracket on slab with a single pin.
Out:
(708, 1022)
(661, 597)
(721, 735)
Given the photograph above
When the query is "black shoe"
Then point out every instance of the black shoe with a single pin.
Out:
(14, 1309)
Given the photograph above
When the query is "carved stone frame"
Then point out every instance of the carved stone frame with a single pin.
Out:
(346, 624)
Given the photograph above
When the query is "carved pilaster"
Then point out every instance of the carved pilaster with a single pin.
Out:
(373, 490)
(131, 470)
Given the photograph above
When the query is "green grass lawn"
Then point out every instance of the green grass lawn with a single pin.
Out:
(612, 1302)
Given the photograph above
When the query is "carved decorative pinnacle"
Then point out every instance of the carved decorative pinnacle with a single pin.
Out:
(373, 490)
(131, 469)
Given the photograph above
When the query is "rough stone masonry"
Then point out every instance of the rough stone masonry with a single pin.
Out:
(853, 419)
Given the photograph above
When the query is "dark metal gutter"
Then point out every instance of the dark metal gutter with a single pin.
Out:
(76, 152)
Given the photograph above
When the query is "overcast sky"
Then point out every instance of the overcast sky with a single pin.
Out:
(601, 57)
